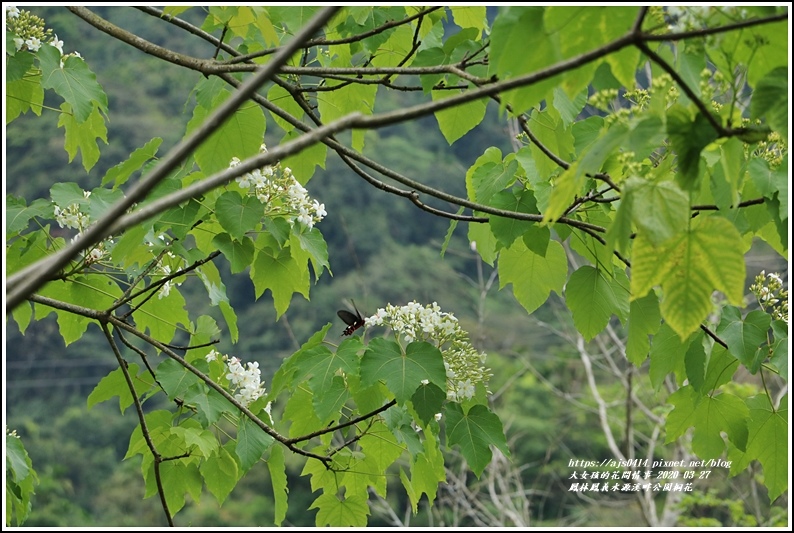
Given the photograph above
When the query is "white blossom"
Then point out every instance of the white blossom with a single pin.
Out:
(463, 364)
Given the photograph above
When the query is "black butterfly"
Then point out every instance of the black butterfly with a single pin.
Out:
(353, 321)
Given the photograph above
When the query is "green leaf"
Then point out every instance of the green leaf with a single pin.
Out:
(350, 511)
(427, 401)
(300, 411)
(238, 214)
(198, 440)
(779, 349)
(304, 162)
(767, 441)
(251, 442)
(770, 99)
(688, 136)
(474, 432)
(507, 230)
(24, 95)
(719, 370)
(161, 315)
(278, 477)
(593, 298)
(312, 242)
(220, 474)
(455, 122)
(82, 135)
(469, 16)
(279, 96)
(522, 28)
(175, 378)
(18, 214)
(710, 415)
(319, 365)
(114, 384)
(644, 320)
(533, 276)
(667, 355)
(744, 337)
(491, 155)
(209, 403)
(427, 472)
(380, 445)
(483, 242)
(122, 172)
(346, 99)
(178, 478)
(490, 178)
(554, 134)
(402, 372)
(279, 272)
(571, 181)
(239, 136)
(689, 267)
(74, 82)
(658, 209)
(240, 253)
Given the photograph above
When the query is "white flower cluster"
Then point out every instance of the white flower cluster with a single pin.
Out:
(772, 296)
(245, 381)
(464, 364)
(281, 193)
(71, 217)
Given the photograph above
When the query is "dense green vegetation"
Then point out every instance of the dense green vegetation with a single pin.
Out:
(560, 373)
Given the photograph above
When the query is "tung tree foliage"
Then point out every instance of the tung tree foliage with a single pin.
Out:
(652, 140)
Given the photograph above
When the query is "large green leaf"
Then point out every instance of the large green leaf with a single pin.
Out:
(122, 172)
(491, 178)
(521, 28)
(175, 378)
(251, 443)
(644, 320)
(238, 214)
(240, 253)
(593, 298)
(533, 276)
(279, 272)
(73, 81)
(220, 474)
(767, 441)
(507, 230)
(115, 384)
(402, 372)
(239, 136)
(745, 336)
(350, 511)
(475, 432)
(667, 355)
(771, 99)
(455, 122)
(689, 267)
(278, 477)
(312, 242)
(570, 182)
(658, 209)
(304, 163)
(23, 95)
(554, 134)
(710, 415)
(688, 136)
(82, 136)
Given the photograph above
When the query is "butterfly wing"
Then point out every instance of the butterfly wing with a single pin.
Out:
(348, 317)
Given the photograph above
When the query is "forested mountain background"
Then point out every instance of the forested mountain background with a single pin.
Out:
(382, 249)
